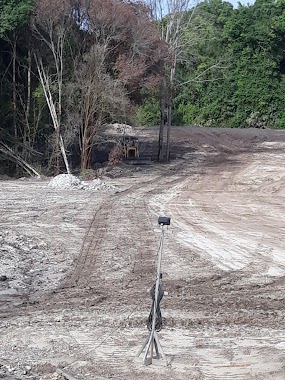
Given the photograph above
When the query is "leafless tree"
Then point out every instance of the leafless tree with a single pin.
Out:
(125, 41)
(50, 26)
(92, 99)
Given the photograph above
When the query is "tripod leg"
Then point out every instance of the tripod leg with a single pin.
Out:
(156, 349)
(151, 349)
(151, 337)
(159, 345)
(141, 350)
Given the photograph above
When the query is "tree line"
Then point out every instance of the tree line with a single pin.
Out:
(67, 67)
(231, 68)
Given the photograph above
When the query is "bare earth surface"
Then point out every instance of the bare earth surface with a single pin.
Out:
(75, 265)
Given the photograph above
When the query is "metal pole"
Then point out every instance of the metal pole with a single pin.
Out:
(152, 334)
(152, 341)
(157, 276)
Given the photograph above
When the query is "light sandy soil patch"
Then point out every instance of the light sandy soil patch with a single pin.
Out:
(78, 265)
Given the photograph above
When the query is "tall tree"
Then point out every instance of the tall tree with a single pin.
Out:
(205, 65)
(51, 25)
(169, 15)
(93, 98)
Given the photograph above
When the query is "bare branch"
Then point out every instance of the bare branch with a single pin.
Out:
(216, 65)
(5, 149)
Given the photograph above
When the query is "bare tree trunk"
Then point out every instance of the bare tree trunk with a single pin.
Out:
(62, 148)
(169, 106)
(60, 75)
(55, 27)
(172, 35)
(162, 93)
(45, 82)
(14, 86)
(84, 153)
(27, 131)
(169, 123)
(86, 150)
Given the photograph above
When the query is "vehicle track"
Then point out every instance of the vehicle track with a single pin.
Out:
(103, 268)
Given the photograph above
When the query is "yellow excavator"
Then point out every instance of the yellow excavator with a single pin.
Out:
(133, 151)
(130, 146)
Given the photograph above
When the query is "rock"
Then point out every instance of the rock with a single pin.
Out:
(3, 278)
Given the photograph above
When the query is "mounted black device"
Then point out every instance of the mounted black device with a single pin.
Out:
(164, 220)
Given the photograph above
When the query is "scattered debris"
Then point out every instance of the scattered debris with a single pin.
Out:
(65, 376)
(97, 184)
(29, 264)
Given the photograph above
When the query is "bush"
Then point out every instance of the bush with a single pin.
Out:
(116, 155)
(148, 113)
(188, 113)
(280, 122)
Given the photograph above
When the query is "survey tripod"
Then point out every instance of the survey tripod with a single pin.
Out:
(154, 321)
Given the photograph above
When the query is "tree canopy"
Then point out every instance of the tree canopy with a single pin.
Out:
(231, 73)
(14, 13)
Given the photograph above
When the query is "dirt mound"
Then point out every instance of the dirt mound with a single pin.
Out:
(69, 181)
(65, 181)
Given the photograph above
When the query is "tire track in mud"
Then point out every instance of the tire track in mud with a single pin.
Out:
(221, 297)
(105, 258)
(95, 252)
(103, 268)
(93, 236)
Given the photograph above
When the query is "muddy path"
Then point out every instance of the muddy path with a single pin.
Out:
(84, 307)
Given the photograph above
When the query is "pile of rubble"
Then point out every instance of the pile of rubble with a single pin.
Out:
(65, 181)
(69, 181)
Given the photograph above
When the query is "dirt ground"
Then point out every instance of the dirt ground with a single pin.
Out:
(75, 265)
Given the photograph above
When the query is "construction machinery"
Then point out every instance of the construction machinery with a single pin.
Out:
(130, 147)
(133, 151)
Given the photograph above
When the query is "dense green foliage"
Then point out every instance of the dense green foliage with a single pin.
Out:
(231, 74)
(14, 13)
(148, 113)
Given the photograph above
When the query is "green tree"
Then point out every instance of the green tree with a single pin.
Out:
(256, 43)
(13, 13)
